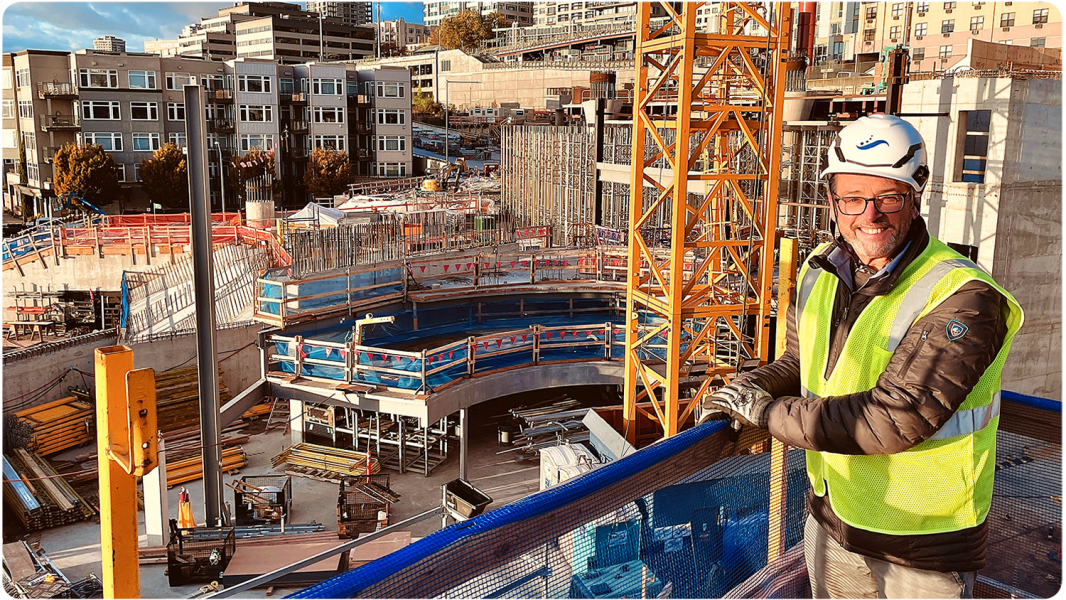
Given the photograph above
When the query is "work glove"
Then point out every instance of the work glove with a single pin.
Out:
(745, 402)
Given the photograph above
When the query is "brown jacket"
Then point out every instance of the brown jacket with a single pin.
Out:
(927, 379)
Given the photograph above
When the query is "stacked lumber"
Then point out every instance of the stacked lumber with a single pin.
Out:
(58, 425)
(177, 398)
(190, 469)
(324, 463)
(37, 495)
(258, 411)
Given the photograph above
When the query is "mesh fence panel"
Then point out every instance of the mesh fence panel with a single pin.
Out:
(694, 517)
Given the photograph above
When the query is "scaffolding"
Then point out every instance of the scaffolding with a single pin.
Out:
(804, 208)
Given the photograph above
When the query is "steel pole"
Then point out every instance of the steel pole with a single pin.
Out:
(204, 289)
(221, 179)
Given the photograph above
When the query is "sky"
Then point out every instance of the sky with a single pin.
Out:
(70, 26)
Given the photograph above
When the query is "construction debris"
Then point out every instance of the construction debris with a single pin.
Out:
(37, 495)
(30, 574)
(54, 426)
(546, 426)
(324, 463)
(363, 504)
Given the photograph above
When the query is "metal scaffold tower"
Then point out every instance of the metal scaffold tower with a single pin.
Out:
(706, 154)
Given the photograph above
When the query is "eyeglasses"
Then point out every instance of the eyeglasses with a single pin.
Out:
(885, 204)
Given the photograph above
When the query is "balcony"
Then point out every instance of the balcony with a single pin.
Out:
(222, 125)
(362, 127)
(219, 95)
(295, 98)
(57, 91)
(358, 100)
(362, 154)
(60, 122)
(298, 126)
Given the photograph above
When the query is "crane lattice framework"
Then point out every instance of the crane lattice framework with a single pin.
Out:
(707, 131)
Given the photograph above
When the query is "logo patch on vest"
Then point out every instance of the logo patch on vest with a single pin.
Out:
(956, 330)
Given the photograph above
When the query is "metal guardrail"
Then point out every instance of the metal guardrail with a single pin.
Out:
(583, 65)
(43, 349)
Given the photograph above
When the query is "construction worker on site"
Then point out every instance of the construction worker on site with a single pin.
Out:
(890, 382)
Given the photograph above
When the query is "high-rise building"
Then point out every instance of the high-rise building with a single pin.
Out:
(109, 43)
(515, 12)
(400, 34)
(350, 13)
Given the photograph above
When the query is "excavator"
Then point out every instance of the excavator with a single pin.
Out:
(440, 184)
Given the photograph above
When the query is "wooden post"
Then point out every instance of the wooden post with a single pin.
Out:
(786, 284)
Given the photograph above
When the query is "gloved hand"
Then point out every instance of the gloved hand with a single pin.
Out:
(745, 402)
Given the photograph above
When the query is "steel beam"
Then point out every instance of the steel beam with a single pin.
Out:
(204, 289)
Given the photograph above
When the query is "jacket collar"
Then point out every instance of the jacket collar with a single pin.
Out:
(839, 259)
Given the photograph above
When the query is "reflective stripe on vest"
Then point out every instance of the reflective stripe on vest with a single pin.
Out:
(963, 422)
(917, 296)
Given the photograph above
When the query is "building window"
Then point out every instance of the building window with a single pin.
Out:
(329, 141)
(388, 89)
(256, 113)
(918, 54)
(947, 26)
(178, 139)
(255, 140)
(897, 10)
(445, 65)
(920, 29)
(145, 142)
(213, 82)
(893, 32)
(9, 110)
(977, 24)
(871, 12)
(253, 83)
(144, 111)
(98, 78)
(391, 169)
(1037, 42)
(29, 139)
(923, 7)
(142, 80)
(391, 116)
(978, 5)
(1006, 20)
(175, 111)
(122, 173)
(26, 109)
(175, 81)
(110, 142)
(98, 110)
(327, 114)
(949, 6)
(974, 140)
(33, 172)
(1040, 16)
(286, 86)
(22, 77)
(868, 35)
(391, 143)
(945, 52)
(327, 87)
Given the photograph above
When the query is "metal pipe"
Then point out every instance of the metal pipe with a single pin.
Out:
(204, 291)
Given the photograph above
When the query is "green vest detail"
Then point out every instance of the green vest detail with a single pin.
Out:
(942, 484)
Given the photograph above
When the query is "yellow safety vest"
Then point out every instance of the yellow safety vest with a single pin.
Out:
(942, 484)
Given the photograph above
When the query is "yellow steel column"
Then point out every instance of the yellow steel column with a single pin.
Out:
(786, 284)
(118, 489)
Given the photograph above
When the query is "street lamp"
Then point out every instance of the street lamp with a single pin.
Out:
(447, 136)
(221, 179)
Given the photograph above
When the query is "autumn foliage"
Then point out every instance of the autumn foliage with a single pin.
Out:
(165, 179)
(86, 171)
(328, 173)
(257, 163)
(467, 29)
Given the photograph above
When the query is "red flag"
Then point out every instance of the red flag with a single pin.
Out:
(457, 265)
(524, 337)
(566, 263)
(445, 268)
(450, 353)
(300, 347)
(498, 265)
(423, 268)
(486, 265)
(601, 332)
(486, 345)
(343, 352)
(549, 335)
(512, 340)
(328, 351)
(499, 343)
(512, 264)
(440, 357)
(468, 264)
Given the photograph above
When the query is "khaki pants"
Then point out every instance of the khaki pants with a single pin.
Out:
(838, 573)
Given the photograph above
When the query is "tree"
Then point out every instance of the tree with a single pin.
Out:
(257, 163)
(165, 179)
(467, 29)
(86, 171)
(391, 48)
(423, 104)
(328, 173)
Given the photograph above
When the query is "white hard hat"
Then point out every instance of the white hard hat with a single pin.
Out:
(882, 146)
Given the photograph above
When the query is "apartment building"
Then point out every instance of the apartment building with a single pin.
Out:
(520, 13)
(587, 13)
(109, 43)
(390, 92)
(350, 13)
(402, 35)
(937, 33)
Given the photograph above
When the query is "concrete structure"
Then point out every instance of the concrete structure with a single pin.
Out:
(401, 35)
(520, 13)
(996, 195)
(936, 32)
(109, 43)
(350, 13)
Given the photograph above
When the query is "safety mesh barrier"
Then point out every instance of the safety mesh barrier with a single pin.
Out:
(696, 515)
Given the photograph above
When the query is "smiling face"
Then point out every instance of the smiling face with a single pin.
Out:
(874, 236)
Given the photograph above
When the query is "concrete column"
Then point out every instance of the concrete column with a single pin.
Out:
(296, 422)
(464, 441)
(156, 504)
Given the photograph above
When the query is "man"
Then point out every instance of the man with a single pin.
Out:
(890, 381)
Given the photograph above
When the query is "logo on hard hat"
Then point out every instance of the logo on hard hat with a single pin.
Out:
(956, 330)
(869, 145)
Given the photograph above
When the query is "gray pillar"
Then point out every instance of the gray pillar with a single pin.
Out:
(464, 440)
(204, 279)
(296, 422)
(156, 503)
